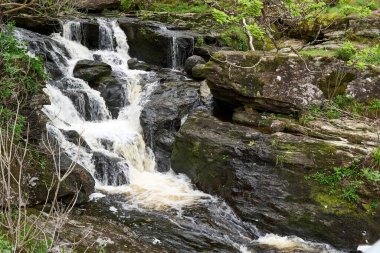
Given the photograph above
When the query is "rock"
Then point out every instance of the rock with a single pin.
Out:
(191, 62)
(78, 180)
(42, 174)
(157, 43)
(92, 71)
(262, 177)
(162, 117)
(110, 170)
(197, 72)
(139, 65)
(97, 5)
(279, 83)
(365, 89)
(40, 24)
(50, 50)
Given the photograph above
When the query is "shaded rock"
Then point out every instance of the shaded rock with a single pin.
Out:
(97, 5)
(191, 62)
(197, 72)
(79, 180)
(74, 137)
(40, 24)
(157, 43)
(162, 117)
(110, 170)
(49, 50)
(92, 71)
(262, 176)
(139, 65)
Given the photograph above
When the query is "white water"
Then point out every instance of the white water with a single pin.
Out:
(147, 188)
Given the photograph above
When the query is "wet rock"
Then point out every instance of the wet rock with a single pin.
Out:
(50, 50)
(41, 174)
(191, 62)
(157, 43)
(110, 170)
(92, 71)
(139, 65)
(162, 117)
(262, 176)
(40, 24)
(97, 5)
(74, 137)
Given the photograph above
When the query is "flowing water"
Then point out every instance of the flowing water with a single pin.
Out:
(187, 220)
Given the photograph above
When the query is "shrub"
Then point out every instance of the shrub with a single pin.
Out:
(346, 52)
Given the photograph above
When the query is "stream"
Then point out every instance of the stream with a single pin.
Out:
(128, 186)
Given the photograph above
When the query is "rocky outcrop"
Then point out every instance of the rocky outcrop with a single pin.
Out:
(99, 76)
(164, 114)
(157, 43)
(40, 24)
(280, 83)
(97, 5)
(92, 71)
(262, 176)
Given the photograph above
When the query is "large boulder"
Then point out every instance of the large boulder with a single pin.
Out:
(191, 62)
(164, 114)
(280, 83)
(97, 5)
(157, 43)
(262, 176)
(92, 71)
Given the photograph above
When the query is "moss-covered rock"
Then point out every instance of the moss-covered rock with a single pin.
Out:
(262, 176)
(282, 83)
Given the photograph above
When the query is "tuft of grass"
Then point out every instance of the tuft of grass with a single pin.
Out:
(345, 182)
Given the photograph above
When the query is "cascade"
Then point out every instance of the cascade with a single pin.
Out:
(117, 156)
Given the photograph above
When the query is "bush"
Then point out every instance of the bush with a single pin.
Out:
(346, 52)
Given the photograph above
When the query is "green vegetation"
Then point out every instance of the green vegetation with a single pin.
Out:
(361, 59)
(346, 182)
(342, 105)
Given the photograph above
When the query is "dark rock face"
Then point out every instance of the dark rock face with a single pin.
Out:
(78, 180)
(97, 5)
(262, 176)
(191, 62)
(39, 177)
(92, 71)
(39, 24)
(50, 50)
(109, 170)
(162, 117)
(155, 43)
(138, 65)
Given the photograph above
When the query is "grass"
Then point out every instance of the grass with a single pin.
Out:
(345, 182)
(319, 52)
(177, 6)
(341, 105)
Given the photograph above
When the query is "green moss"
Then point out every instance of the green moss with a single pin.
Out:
(318, 52)
(333, 204)
(234, 37)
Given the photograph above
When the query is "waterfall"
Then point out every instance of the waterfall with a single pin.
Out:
(115, 153)
(174, 53)
(118, 158)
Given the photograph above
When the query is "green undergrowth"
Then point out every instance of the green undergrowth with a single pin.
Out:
(343, 8)
(346, 184)
(340, 106)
